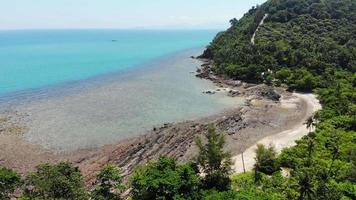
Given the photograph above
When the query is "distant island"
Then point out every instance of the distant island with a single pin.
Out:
(294, 64)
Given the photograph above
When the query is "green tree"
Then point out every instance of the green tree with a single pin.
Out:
(303, 80)
(214, 162)
(9, 181)
(266, 160)
(234, 22)
(165, 179)
(61, 181)
(109, 184)
(309, 45)
(216, 195)
(310, 150)
(333, 144)
(310, 123)
(329, 191)
(306, 184)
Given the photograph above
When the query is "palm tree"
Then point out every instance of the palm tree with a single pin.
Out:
(316, 118)
(334, 146)
(312, 121)
(309, 122)
(310, 149)
(305, 185)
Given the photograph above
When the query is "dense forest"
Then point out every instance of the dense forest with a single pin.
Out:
(305, 45)
(302, 43)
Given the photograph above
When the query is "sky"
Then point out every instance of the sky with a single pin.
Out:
(121, 14)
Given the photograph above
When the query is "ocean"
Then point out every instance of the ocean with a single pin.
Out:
(31, 59)
(85, 89)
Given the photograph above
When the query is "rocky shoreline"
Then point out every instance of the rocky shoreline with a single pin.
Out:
(236, 87)
(262, 115)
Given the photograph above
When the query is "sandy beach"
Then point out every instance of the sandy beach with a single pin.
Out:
(282, 139)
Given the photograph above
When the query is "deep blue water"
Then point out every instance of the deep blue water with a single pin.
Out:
(36, 58)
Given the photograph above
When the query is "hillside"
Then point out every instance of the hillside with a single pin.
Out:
(306, 45)
(306, 39)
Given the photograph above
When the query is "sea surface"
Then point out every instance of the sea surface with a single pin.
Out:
(35, 58)
(79, 89)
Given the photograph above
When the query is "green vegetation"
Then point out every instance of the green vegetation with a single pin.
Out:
(207, 178)
(9, 181)
(162, 179)
(266, 160)
(214, 162)
(302, 43)
(306, 45)
(165, 179)
(62, 181)
(109, 184)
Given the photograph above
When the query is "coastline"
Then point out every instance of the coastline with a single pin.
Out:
(102, 97)
(260, 117)
(280, 140)
(121, 106)
(177, 139)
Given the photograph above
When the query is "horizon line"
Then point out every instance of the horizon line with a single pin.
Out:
(138, 28)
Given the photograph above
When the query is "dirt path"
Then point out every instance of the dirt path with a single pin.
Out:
(259, 25)
(282, 139)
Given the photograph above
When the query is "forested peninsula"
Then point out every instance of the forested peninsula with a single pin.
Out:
(302, 45)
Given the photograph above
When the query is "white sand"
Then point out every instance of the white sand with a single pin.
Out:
(282, 139)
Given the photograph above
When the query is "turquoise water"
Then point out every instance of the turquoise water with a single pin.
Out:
(37, 58)
(114, 107)
(81, 89)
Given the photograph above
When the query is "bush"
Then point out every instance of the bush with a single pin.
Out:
(216, 195)
(165, 179)
(109, 184)
(61, 181)
(9, 181)
(283, 74)
(266, 160)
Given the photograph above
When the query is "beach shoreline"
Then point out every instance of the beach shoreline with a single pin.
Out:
(280, 140)
(243, 127)
(121, 106)
(263, 115)
(36, 110)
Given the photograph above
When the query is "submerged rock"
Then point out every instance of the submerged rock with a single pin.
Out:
(209, 92)
(234, 93)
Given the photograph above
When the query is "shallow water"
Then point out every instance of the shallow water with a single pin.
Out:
(109, 108)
